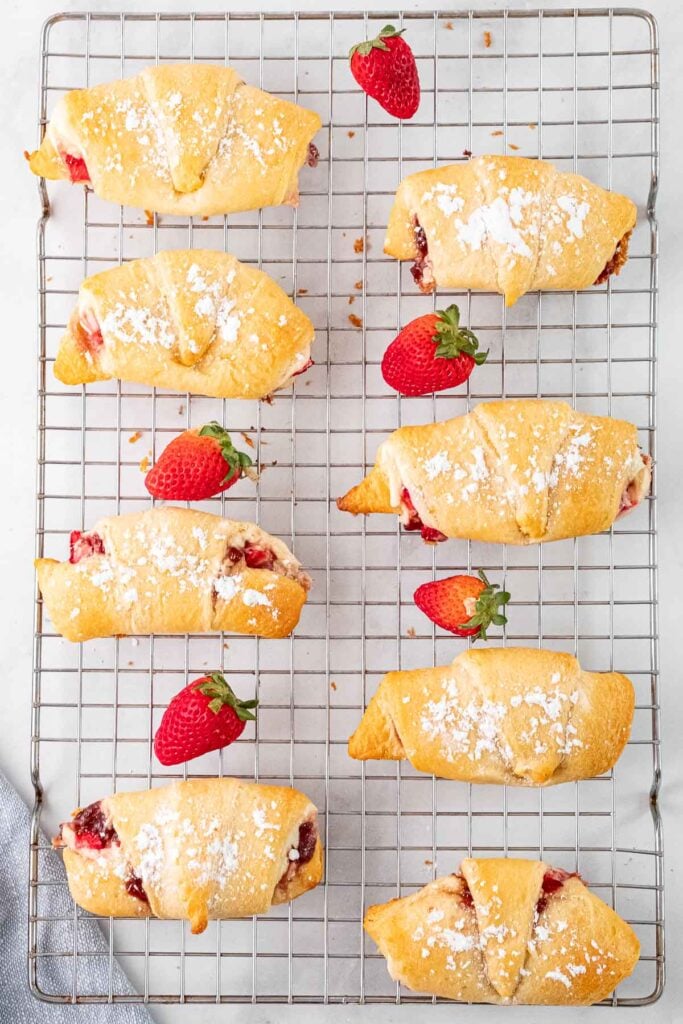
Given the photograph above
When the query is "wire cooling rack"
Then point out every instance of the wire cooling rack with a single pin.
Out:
(577, 87)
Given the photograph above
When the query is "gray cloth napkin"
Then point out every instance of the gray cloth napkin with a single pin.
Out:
(17, 1005)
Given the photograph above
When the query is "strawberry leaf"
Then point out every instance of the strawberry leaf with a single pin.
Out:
(487, 610)
(221, 693)
(452, 340)
(364, 48)
(236, 461)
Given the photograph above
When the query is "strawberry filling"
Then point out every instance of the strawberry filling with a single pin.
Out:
(134, 887)
(91, 829)
(313, 155)
(422, 267)
(633, 492)
(303, 369)
(302, 852)
(412, 521)
(76, 167)
(91, 334)
(83, 545)
(255, 556)
(553, 880)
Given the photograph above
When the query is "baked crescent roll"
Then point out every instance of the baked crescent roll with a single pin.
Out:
(199, 850)
(514, 716)
(505, 931)
(173, 570)
(188, 139)
(509, 225)
(188, 320)
(510, 472)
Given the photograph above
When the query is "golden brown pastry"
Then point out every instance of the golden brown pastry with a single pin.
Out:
(509, 225)
(188, 320)
(514, 716)
(188, 139)
(505, 931)
(200, 850)
(173, 570)
(511, 472)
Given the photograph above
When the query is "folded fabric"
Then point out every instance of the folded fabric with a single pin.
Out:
(17, 1004)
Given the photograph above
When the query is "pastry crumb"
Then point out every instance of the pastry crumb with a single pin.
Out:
(226, 646)
(181, 409)
(496, 133)
(333, 685)
(532, 125)
(351, 134)
(467, 153)
(449, 26)
(355, 320)
(429, 863)
(358, 286)
(205, 218)
(302, 291)
(352, 299)
(268, 399)
(487, 39)
(511, 145)
(149, 218)
(144, 464)
(247, 440)
(359, 245)
(135, 437)
(411, 632)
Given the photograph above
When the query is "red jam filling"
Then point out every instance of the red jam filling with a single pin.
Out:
(254, 555)
(429, 534)
(83, 545)
(76, 167)
(553, 880)
(313, 155)
(308, 837)
(91, 830)
(417, 269)
(303, 369)
(91, 335)
(134, 887)
(630, 498)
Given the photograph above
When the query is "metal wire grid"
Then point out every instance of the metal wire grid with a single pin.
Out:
(577, 87)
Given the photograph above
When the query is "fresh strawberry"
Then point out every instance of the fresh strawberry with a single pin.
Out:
(385, 69)
(205, 716)
(197, 464)
(463, 605)
(431, 353)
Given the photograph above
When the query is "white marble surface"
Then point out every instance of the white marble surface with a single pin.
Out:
(21, 20)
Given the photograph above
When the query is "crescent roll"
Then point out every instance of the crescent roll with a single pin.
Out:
(188, 320)
(173, 570)
(505, 931)
(509, 225)
(503, 715)
(200, 850)
(510, 472)
(187, 139)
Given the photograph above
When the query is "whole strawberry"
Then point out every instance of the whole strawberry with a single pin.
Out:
(205, 716)
(431, 353)
(385, 69)
(197, 464)
(463, 605)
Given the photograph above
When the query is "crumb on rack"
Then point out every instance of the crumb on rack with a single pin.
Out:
(511, 145)
(268, 399)
(181, 409)
(205, 218)
(149, 218)
(429, 863)
(355, 320)
(359, 245)
(449, 26)
(144, 463)
(411, 632)
(226, 646)
(532, 125)
(358, 286)
(135, 437)
(352, 299)
(351, 134)
(333, 685)
(496, 133)
(487, 39)
(302, 291)
(247, 440)
(467, 153)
